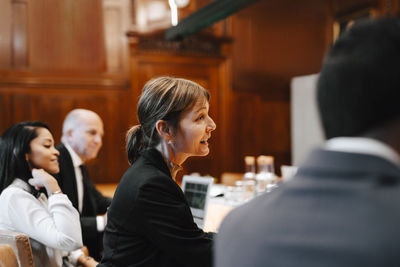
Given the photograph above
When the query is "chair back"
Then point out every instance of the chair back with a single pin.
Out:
(20, 245)
(7, 256)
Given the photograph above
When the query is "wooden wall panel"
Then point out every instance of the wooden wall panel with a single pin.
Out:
(395, 7)
(60, 55)
(53, 59)
(5, 34)
(273, 42)
(113, 44)
(117, 22)
(259, 127)
(20, 34)
(345, 7)
(5, 108)
(276, 40)
(66, 36)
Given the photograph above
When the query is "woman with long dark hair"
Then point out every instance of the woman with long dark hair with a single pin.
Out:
(27, 158)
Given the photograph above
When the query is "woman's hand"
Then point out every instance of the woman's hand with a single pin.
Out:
(87, 261)
(85, 251)
(43, 179)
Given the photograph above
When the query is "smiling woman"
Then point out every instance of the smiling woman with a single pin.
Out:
(43, 154)
(27, 146)
(149, 220)
(191, 138)
(27, 158)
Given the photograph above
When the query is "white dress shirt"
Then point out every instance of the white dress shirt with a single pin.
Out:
(363, 145)
(76, 161)
(52, 224)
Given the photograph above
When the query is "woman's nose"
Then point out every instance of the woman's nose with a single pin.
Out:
(56, 152)
(211, 125)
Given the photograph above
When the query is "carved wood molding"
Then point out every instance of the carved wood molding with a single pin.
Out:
(62, 80)
(199, 44)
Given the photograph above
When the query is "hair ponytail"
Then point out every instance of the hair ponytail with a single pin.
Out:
(134, 143)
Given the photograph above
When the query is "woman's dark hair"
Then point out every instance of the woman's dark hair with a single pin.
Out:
(14, 144)
(163, 98)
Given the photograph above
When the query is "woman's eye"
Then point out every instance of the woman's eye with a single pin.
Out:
(47, 146)
(201, 117)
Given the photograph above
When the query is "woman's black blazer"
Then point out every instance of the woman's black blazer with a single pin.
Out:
(150, 222)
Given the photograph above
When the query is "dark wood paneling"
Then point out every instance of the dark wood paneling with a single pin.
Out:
(395, 7)
(5, 34)
(345, 7)
(276, 40)
(273, 42)
(20, 34)
(260, 127)
(66, 36)
(5, 108)
(60, 47)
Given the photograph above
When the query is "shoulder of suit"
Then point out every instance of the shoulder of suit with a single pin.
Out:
(143, 174)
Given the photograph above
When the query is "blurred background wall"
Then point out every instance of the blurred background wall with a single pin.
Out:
(59, 55)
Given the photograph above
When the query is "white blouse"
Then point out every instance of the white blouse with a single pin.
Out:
(52, 224)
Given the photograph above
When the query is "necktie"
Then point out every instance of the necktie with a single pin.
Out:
(85, 173)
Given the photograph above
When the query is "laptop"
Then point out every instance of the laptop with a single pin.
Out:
(197, 193)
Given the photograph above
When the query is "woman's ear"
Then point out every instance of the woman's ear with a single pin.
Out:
(164, 130)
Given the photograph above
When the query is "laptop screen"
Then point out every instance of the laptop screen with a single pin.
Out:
(197, 192)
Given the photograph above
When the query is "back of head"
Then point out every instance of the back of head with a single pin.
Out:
(14, 144)
(358, 88)
(163, 98)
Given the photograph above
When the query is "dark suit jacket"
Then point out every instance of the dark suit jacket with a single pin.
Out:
(150, 222)
(341, 209)
(94, 203)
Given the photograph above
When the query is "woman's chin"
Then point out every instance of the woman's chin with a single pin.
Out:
(204, 153)
(53, 170)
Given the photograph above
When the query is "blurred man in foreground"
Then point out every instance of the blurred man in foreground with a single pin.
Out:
(342, 208)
